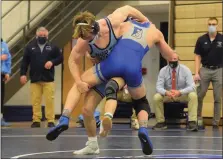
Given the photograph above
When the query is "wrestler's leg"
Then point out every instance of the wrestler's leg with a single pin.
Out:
(91, 102)
(73, 96)
(111, 90)
(92, 99)
(72, 100)
(142, 113)
(142, 109)
(124, 96)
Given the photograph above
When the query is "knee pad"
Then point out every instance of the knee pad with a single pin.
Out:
(141, 104)
(111, 90)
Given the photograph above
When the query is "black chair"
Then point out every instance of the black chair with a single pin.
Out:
(124, 110)
(175, 112)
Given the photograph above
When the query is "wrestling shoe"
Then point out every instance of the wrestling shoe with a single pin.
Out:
(62, 125)
(90, 149)
(105, 126)
(102, 132)
(146, 143)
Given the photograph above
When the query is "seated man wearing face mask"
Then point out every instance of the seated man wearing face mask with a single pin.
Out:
(41, 55)
(175, 84)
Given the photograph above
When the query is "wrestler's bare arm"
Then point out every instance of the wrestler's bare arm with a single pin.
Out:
(79, 50)
(121, 14)
(166, 51)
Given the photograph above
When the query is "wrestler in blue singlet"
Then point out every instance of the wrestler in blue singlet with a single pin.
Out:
(102, 54)
(126, 57)
(125, 61)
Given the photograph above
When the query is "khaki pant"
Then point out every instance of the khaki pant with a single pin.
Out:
(122, 97)
(191, 98)
(47, 90)
(214, 76)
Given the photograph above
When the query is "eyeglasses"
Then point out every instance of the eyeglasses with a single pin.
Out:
(212, 24)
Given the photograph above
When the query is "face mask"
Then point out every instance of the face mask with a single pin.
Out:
(212, 29)
(94, 39)
(41, 40)
(173, 64)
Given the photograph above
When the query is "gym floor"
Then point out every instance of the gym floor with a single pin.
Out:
(24, 142)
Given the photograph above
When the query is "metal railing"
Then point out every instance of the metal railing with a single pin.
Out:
(60, 23)
(27, 31)
(15, 5)
(60, 35)
(57, 27)
(27, 23)
(67, 15)
(47, 25)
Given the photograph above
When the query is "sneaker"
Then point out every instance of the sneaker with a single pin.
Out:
(4, 123)
(106, 126)
(134, 124)
(146, 144)
(62, 125)
(192, 126)
(51, 124)
(160, 126)
(35, 125)
(90, 149)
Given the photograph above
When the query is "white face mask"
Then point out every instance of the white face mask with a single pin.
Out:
(94, 39)
(212, 29)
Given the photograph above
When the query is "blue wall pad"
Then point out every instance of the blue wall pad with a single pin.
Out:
(20, 113)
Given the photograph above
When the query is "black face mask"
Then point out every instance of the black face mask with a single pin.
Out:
(41, 40)
(173, 64)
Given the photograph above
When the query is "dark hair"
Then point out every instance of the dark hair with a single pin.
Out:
(1, 39)
(213, 18)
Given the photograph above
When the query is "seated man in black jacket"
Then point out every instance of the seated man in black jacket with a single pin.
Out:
(42, 56)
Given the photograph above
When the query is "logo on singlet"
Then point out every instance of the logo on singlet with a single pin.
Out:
(104, 54)
(137, 33)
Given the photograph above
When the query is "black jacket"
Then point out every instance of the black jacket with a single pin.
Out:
(37, 60)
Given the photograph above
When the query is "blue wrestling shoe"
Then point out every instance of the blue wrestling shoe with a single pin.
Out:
(146, 143)
(59, 128)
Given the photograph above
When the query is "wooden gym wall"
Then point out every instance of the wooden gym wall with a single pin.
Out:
(188, 21)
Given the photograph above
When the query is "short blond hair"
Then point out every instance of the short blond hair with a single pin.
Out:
(83, 30)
